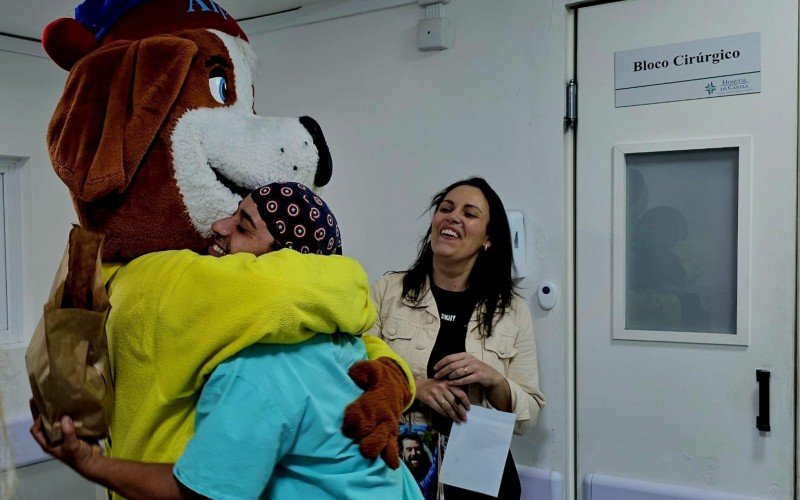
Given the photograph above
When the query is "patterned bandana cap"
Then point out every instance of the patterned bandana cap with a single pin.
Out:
(297, 218)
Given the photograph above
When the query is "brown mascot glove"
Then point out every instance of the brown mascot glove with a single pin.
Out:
(374, 418)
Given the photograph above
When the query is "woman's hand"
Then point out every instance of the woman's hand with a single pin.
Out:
(464, 368)
(443, 399)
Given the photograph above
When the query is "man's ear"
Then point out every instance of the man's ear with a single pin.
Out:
(115, 101)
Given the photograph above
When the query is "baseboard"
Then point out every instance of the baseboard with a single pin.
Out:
(24, 450)
(540, 484)
(600, 487)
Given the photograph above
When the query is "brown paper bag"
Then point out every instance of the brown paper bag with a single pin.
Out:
(67, 359)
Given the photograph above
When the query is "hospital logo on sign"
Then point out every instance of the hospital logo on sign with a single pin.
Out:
(735, 85)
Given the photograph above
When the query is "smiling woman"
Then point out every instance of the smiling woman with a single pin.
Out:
(455, 318)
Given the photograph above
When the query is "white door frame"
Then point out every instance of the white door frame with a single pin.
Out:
(570, 279)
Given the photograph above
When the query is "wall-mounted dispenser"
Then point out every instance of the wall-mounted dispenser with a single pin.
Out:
(435, 31)
(519, 264)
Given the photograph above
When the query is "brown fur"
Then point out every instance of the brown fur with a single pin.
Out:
(109, 138)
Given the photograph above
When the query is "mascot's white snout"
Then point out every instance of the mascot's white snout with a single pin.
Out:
(221, 154)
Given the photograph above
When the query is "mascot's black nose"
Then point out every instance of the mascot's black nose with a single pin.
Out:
(325, 165)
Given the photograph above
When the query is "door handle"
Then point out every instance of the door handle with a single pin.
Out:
(762, 419)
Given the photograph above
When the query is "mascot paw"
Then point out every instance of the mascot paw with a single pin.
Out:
(373, 419)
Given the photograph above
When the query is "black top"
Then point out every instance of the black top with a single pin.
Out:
(455, 310)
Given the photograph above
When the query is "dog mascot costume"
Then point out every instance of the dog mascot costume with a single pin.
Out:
(156, 137)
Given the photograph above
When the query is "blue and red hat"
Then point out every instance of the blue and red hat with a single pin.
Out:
(297, 218)
(99, 22)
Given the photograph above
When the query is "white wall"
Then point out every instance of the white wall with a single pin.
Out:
(29, 89)
(403, 124)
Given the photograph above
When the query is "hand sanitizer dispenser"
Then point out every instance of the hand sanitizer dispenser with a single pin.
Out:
(519, 263)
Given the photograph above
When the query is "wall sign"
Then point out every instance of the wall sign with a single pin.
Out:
(715, 67)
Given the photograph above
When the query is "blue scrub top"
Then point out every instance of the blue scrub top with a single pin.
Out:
(268, 425)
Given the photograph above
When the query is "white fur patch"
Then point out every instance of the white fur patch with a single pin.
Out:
(246, 149)
(244, 67)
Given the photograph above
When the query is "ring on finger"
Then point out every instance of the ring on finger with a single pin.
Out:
(464, 370)
(442, 402)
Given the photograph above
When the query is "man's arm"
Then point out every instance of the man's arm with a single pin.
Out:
(132, 480)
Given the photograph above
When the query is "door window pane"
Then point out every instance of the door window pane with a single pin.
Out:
(681, 214)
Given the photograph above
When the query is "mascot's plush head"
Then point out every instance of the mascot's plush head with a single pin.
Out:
(156, 136)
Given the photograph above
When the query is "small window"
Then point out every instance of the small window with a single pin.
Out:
(681, 239)
(10, 251)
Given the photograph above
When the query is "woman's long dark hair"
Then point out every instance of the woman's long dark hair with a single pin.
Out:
(490, 278)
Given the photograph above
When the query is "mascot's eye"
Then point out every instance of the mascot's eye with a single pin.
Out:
(219, 88)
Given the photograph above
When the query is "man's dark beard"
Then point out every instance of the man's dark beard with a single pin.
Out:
(420, 471)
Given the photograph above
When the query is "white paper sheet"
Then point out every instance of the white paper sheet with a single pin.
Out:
(477, 450)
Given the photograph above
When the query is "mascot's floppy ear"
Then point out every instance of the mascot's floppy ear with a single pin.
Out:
(66, 41)
(114, 103)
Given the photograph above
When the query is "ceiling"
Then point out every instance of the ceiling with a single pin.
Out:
(27, 18)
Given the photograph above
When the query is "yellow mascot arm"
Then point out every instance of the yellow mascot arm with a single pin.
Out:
(187, 312)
